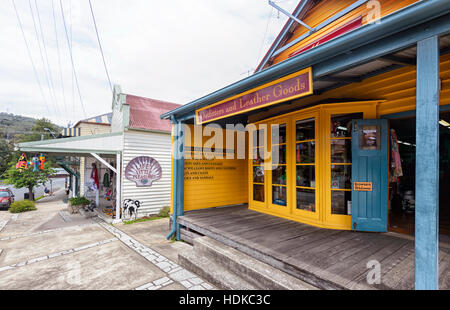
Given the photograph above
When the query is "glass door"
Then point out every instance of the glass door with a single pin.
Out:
(339, 164)
(258, 150)
(305, 160)
(278, 169)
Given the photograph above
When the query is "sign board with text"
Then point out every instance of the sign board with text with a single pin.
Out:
(362, 186)
(290, 87)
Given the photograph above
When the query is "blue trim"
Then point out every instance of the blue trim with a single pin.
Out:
(175, 183)
(409, 17)
(180, 175)
(178, 179)
(427, 166)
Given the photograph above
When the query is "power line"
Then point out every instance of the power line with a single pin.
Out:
(59, 60)
(46, 55)
(100, 45)
(52, 98)
(31, 58)
(71, 58)
(265, 35)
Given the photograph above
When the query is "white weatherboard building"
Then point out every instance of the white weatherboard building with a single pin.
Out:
(136, 137)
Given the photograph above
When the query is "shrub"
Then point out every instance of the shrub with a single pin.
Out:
(22, 206)
(79, 201)
(164, 212)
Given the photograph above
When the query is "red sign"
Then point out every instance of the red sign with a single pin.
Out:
(334, 34)
(287, 88)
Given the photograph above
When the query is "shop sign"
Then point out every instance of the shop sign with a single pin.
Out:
(362, 186)
(143, 171)
(290, 87)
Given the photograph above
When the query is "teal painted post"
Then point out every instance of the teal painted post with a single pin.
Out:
(174, 180)
(427, 165)
(180, 175)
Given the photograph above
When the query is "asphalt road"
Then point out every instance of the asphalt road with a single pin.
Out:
(54, 185)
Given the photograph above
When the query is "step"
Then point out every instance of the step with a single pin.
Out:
(188, 236)
(250, 269)
(260, 253)
(212, 272)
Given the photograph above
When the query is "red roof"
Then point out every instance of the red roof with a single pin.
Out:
(145, 113)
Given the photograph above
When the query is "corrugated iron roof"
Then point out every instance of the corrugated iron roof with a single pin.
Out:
(145, 113)
(100, 119)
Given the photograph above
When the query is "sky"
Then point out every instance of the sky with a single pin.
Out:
(171, 50)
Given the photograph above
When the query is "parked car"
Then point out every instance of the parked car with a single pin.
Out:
(6, 198)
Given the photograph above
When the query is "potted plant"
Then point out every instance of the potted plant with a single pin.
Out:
(77, 202)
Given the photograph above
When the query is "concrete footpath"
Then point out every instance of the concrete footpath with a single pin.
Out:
(51, 249)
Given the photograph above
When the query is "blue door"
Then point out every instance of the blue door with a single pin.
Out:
(369, 175)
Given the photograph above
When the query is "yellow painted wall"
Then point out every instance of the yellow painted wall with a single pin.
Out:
(93, 129)
(325, 10)
(213, 183)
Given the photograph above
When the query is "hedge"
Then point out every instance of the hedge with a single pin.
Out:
(22, 206)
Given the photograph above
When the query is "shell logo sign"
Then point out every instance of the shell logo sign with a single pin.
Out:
(143, 170)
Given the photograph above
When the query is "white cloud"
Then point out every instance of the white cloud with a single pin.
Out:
(173, 50)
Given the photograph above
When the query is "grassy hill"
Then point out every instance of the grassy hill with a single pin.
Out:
(13, 125)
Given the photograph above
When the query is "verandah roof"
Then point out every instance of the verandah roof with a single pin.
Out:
(107, 144)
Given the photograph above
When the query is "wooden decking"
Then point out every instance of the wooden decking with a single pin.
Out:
(329, 259)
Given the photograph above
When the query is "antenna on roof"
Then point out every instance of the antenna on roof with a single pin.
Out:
(271, 3)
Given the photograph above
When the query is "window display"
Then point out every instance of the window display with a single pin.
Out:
(306, 168)
(341, 162)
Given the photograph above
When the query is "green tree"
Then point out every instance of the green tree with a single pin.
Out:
(39, 131)
(6, 153)
(27, 177)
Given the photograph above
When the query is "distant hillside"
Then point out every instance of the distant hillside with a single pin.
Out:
(14, 125)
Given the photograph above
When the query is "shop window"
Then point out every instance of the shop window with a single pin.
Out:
(279, 175)
(279, 165)
(306, 165)
(306, 176)
(258, 149)
(341, 151)
(279, 134)
(306, 152)
(341, 162)
(306, 199)
(258, 174)
(279, 154)
(341, 202)
(258, 192)
(279, 195)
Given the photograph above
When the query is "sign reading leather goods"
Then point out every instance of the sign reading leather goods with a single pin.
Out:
(290, 87)
(362, 186)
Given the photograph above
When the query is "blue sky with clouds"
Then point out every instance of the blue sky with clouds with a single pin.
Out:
(172, 50)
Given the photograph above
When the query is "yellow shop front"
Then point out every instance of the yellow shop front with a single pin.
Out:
(309, 179)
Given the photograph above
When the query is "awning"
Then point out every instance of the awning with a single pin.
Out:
(105, 144)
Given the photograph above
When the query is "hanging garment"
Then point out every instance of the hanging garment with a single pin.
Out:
(92, 185)
(94, 175)
(396, 162)
(106, 180)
